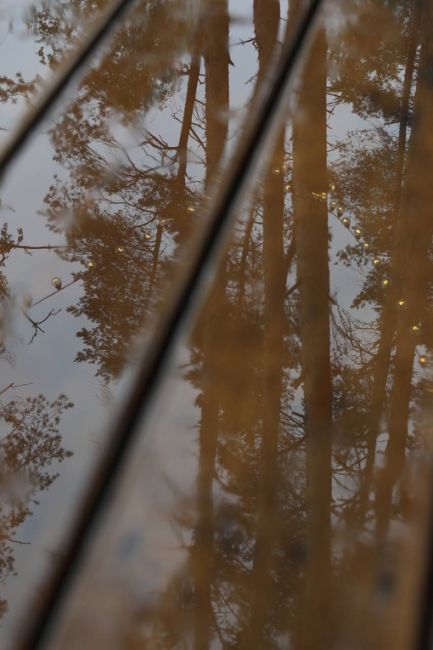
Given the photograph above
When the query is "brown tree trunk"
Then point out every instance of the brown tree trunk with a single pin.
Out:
(388, 322)
(182, 151)
(311, 237)
(266, 23)
(274, 265)
(417, 202)
(216, 54)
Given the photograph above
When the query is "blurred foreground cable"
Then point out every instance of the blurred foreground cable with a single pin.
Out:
(96, 33)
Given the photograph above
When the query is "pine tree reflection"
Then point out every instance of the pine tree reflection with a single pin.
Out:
(29, 445)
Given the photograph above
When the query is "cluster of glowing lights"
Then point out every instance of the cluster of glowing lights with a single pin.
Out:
(401, 304)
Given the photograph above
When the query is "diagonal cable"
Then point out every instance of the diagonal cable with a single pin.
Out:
(99, 29)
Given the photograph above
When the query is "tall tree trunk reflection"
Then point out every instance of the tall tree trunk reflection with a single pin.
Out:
(273, 354)
(216, 55)
(311, 233)
(388, 317)
(417, 199)
(266, 22)
(193, 76)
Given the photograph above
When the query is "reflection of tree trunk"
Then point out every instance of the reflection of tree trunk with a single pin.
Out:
(180, 194)
(417, 202)
(311, 236)
(266, 22)
(203, 552)
(216, 54)
(194, 71)
(155, 259)
(273, 350)
(398, 421)
(405, 101)
(388, 321)
(244, 256)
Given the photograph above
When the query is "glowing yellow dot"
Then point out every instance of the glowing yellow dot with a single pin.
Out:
(415, 329)
(376, 261)
(385, 283)
(366, 245)
(288, 187)
(358, 232)
(340, 212)
(276, 171)
(147, 236)
(332, 187)
(90, 264)
(120, 249)
(57, 283)
(401, 303)
(191, 208)
(346, 222)
(423, 359)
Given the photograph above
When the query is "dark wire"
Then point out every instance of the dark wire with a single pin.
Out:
(155, 359)
(102, 28)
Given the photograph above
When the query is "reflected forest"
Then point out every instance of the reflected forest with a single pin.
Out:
(311, 359)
